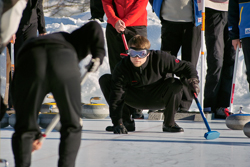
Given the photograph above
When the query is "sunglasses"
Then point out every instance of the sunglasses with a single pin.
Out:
(137, 53)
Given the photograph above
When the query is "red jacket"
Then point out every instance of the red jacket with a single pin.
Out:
(132, 12)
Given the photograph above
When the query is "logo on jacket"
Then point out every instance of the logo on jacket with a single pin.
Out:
(247, 30)
(177, 60)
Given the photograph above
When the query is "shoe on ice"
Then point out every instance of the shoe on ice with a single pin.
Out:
(173, 128)
(222, 113)
(130, 126)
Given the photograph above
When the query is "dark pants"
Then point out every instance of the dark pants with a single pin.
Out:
(115, 44)
(168, 95)
(96, 9)
(40, 70)
(23, 33)
(220, 60)
(246, 51)
(176, 35)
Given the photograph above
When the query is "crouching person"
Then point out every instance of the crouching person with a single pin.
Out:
(139, 80)
(50, 64)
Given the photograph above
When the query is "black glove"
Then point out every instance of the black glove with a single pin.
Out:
(194, 85)
(93, 65)
(120, 129)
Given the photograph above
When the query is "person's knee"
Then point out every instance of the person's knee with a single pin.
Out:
(105, 79)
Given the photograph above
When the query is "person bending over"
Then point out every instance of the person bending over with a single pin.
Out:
(46, 64)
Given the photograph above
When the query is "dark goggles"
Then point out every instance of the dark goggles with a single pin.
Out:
(137, 53)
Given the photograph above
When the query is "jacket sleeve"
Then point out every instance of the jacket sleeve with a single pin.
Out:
(109, 11)
(40, 17)
(136, 12)
(233, 19)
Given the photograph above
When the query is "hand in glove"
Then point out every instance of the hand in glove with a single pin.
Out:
(120, 129)
(93, 65)
(194, 85)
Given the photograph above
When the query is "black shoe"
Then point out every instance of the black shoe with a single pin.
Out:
(222, 113)
(130, 126)
(101, 19)
(174, 128)
(110, 128)
(137, 116)
(92, 18)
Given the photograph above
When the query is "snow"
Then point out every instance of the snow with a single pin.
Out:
(91, 87)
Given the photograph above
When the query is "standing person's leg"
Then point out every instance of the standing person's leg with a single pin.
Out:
(214, 36)
(191, 43)
(223, 98)
(246, 51)
(171, 35)
(65, 85)
(28, 90)
(96, 9)
(115, 46)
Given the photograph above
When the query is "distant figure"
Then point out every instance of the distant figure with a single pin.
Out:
(220, 58)
(139, 81)
(50, 64)
(31, 21)
(96, 10)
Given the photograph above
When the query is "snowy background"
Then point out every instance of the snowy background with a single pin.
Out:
(91, 87)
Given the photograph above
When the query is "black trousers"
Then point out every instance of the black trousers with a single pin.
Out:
(23, 33)
(176, 35)
(168, 95)
(220, 60)
(40, 70)
(115, 43)
(96, 8)
(246, 51)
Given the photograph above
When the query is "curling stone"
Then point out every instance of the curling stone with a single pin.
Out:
(5, 121)
(95, 110)
(46, 118)
(246, 129)
(237, 121)
(12, 120)
(49, 107)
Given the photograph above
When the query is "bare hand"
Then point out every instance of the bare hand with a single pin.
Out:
(36, 145)
(120, 26)
(236, 42)
(13, 38)
(42, 34)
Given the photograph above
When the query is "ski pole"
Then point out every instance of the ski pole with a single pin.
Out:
(125, 45)
(210, 135)
(234, 79)
(93, 65)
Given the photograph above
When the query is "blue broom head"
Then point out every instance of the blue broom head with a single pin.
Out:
(212, 135)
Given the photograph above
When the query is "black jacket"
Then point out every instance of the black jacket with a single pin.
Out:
(128, 78)
(33, 13)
